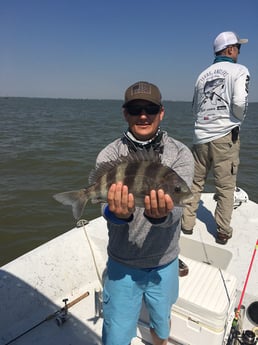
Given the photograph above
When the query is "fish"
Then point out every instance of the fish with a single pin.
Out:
(142, 171)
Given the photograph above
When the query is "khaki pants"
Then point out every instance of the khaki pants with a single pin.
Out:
(222, 155)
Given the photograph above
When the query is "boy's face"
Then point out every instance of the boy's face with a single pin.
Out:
(143, 118)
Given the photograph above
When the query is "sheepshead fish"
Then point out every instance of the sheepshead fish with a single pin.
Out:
(142, 171)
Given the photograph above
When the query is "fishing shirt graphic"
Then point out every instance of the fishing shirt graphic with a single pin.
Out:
(212, 100)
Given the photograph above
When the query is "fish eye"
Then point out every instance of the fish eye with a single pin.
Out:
(177, 189)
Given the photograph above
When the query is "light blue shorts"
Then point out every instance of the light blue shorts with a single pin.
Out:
(124, 290)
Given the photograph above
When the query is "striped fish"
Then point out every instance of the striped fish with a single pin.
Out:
(142, 171)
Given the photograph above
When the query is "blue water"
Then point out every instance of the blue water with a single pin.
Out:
(50, 145)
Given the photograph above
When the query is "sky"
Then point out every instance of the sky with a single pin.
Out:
(95, 49)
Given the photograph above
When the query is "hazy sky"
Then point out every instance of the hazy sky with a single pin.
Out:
(97, 48)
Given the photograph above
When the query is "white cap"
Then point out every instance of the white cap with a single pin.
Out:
(225, 39)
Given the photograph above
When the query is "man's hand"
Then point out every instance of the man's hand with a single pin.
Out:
(120, 202)
(158, 204)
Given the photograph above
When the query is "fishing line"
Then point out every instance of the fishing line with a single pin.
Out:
(207, 260)
(234, 326)
(83, 223)
(225, 286)
(59, 314)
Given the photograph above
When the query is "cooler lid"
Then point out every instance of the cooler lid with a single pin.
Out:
(206, 291)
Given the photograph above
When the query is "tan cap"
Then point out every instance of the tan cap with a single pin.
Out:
(143, 90)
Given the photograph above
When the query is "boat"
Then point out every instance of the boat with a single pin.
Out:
(53, 294)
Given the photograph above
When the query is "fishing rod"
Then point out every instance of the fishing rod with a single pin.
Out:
(60, 315)
(234, 333)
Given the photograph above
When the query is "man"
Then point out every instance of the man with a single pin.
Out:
(219, 107)
(143, 242)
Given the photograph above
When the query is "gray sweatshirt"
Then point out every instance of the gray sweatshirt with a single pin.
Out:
(140, 243)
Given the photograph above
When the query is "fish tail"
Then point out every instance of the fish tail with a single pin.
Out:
(77, 199)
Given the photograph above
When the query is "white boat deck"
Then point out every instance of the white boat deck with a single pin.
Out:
(33, 286)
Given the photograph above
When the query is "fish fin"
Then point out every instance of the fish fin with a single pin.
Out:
(141, 155)
(145, 155)
(77, 199)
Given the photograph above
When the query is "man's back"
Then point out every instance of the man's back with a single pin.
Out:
(220, 100)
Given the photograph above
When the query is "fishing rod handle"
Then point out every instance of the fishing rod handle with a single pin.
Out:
(76, 300)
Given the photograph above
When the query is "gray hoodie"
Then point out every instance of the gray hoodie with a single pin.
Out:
(140, 243)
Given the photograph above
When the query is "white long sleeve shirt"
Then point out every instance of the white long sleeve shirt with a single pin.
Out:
(220, 100)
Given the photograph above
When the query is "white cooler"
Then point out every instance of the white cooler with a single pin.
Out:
(207, 297)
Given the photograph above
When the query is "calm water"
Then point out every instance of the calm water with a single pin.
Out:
(50, 145)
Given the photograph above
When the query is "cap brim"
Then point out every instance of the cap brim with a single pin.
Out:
(141, 99)
(242, 40)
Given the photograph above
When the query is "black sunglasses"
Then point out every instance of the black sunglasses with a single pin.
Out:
(236, 45)
(136, 110)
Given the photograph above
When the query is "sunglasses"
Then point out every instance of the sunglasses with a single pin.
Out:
(136, 110)
(237, 45)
